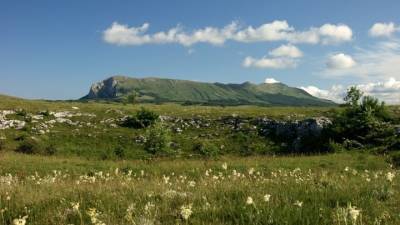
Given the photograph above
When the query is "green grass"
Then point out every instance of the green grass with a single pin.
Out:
(320, 183)
(155, 189)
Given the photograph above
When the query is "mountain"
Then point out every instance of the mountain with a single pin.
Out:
(183, 91)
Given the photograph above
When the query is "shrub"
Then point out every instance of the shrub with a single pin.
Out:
(143, 118)
(28, 146)
(50, 150)
(206, 149)
(45, 113)
(2, 144)
(365, 122)
(21, 112)
(157, 140)
(119, 152)
(395, 159)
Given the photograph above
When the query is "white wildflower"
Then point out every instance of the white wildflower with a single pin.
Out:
(390, 176)
(267, 197)
(186, 211)
(298, 203)
(249, 201)
(20, 221)
(225, 166)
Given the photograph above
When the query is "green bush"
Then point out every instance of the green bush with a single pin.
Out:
(206, 149)
(119, 152)
(50, 150)
(2, 144)
(142, 119)
(28, 146)
(157, 140)
(395, 159)
(365, 122)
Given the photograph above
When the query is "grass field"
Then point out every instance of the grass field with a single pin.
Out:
(86, 181)
(332, 189)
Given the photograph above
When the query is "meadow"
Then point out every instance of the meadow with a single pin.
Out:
(331, 189)
(68, 162)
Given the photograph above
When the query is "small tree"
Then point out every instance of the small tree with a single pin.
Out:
(365, 122)
(157, 139)
(131, 98)
(353, 96)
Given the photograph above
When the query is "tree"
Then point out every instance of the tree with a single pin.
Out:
(131, 98)
(353, 96)
(364, 122)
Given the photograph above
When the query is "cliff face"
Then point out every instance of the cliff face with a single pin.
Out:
(105, 89)
(171, 90)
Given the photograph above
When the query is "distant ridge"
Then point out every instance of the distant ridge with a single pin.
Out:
(158, 90)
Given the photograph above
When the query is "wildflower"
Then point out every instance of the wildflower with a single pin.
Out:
(75, 206)
(249, 201)
(129, 213)
(225, 166)
(390, 176)
(186, 211)
(251, 171)
(94, 216)
(267, 197)
(298, 203)
(20, 221)
(192, 183)
(353, 212)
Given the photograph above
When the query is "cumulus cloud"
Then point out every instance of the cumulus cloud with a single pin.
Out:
(288, 50)
(270, 81)
(278, 30)
(340, 61)
(335, 33)
(383, 29)
(335, 93)
(388, 91)
(377, 62)
(272, 63)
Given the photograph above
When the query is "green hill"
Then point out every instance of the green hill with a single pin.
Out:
(183, 91)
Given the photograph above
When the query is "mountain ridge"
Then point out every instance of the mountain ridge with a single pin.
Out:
(158, 90)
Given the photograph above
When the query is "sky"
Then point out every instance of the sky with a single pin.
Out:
(57, 49)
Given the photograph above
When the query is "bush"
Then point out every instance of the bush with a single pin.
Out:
(119, 152)
(206, 149)
(365, 122)
(157, 140)
(28, 146)
(2, 144)
(143, 118)
(395, 159)
(50, 150)
(21, 112)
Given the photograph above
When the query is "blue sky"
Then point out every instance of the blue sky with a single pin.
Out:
(57, 49)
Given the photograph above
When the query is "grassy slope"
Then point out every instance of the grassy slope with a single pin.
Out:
(169, 90)
(100, 141)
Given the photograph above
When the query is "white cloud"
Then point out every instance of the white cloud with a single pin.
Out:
(270, 81)
(335, 33)
(278, 30)
(383, 29)
(273, 63)
(288, 50)
(340, 61)
(336, 93)
(381, 61)
(388, 91)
